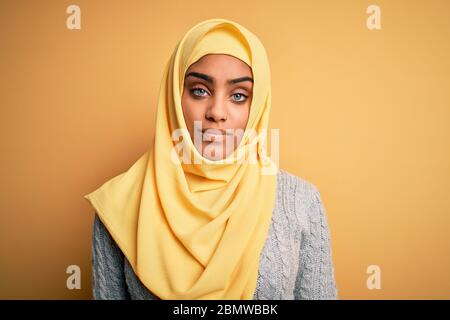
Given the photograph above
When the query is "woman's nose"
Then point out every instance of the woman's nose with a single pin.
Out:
(217, 111)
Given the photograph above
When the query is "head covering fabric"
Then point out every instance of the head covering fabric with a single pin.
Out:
(196, 230)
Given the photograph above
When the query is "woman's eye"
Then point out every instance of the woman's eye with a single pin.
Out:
(194, 91)
(200, 92)
(240, 97)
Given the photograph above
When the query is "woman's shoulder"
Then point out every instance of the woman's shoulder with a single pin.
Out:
(102, 240)
(299, 196)
(296, 185)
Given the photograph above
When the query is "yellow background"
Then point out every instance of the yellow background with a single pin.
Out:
(364, 115)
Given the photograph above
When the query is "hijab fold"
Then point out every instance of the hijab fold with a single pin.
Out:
(196, 230)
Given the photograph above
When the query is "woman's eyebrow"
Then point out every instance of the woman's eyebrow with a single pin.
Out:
(210, 79)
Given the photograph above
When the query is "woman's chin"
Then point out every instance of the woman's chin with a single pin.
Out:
(214, 151)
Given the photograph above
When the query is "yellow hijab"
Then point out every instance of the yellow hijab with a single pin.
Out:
(196, 230)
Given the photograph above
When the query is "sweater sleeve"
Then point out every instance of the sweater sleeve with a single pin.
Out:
(108, 279)
(315, 278)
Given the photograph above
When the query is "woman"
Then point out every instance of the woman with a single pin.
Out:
(205, 213)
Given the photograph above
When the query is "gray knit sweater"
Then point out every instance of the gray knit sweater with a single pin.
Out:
(295, 263)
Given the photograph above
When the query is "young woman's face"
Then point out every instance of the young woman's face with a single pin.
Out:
(217, 94)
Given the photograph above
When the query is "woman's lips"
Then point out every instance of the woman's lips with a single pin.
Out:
(216, 135)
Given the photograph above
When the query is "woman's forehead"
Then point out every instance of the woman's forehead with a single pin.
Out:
(220, 64)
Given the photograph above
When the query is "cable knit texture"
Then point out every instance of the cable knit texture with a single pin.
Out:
(295, 263)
